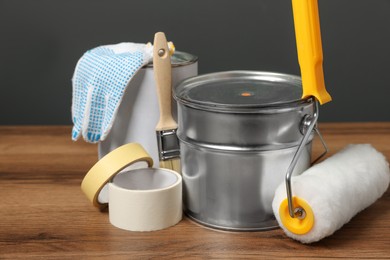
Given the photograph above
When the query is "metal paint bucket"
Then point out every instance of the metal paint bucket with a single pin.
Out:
(239, 132)
(138, 112)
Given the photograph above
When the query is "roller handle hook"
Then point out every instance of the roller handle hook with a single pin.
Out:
(310, 123)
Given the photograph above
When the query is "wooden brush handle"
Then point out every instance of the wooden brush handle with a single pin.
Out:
(163, 76)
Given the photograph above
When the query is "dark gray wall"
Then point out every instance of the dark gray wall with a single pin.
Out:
(41, 41)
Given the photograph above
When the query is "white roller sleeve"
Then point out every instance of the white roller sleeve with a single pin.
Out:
(337, 189)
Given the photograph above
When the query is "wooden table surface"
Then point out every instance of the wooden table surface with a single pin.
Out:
(44, 214)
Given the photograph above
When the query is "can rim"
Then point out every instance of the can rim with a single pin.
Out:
(179, 59)
(224, 75)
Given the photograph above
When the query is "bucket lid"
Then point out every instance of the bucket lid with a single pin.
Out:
(239, 90)
(179, 59)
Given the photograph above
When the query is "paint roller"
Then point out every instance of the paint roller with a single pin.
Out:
(329, 194)
(321, 200)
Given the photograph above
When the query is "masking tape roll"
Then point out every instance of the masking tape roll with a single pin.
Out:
(145, 199)
(110, 165)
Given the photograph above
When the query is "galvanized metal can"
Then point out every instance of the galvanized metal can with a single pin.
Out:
(238, 133)
(138, 112)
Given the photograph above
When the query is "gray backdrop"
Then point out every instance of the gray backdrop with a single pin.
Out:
(41, 41)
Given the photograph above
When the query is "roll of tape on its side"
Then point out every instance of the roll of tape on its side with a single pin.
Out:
(109, 166)
(146, 210)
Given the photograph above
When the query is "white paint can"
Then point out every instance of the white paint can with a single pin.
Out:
(138, 112)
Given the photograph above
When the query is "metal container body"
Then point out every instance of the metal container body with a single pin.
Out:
(234, 190)
(138, 112)
(234, 156)
(264, 129)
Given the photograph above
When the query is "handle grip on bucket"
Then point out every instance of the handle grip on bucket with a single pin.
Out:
(310, 126)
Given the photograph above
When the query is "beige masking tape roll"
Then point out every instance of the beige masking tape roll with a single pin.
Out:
(110, 165)
(145, 199)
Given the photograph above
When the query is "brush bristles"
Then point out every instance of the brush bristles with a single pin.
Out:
(172, 164)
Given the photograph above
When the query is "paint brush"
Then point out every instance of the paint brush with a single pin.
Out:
(168, 144)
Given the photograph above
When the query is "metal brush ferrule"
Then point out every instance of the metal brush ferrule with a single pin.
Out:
(168, 144)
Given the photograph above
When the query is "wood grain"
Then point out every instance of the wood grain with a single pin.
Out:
(43, 213)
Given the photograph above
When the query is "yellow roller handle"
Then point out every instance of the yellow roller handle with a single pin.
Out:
(308, 38)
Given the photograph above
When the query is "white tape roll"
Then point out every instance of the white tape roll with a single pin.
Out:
(145, 199)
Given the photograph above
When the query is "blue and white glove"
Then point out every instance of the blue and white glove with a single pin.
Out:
(99, 82)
